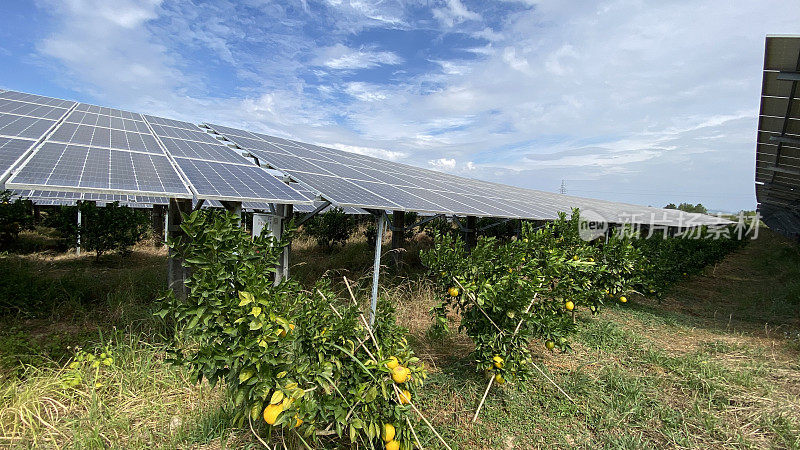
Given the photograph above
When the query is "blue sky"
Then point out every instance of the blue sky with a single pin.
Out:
(645, 102)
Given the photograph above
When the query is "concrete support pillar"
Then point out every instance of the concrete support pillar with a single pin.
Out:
(176, 272)
(284, 213)
(37, 214)
(398, 235)
(471, 233)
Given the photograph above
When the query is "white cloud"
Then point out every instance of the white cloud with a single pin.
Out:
(443, 163)
(341, 57)
(365, 92)
(454, 13)
(367, 151)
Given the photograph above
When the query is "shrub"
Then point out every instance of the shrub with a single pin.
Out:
(15, 216)
(330, 228)
(112, 227)
(299, 359)
(371, 233)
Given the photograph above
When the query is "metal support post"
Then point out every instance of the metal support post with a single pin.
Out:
(398, 235)
(176, 272)
(284, 213)
(80, 224)
(158, 224)
(470, 233)
(376, 271)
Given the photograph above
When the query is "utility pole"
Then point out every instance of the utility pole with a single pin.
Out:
(563, 189)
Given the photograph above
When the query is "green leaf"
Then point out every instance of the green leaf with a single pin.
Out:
(276, 398)
(245, 298)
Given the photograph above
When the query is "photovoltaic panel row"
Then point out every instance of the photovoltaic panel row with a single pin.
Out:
(106, 121)
(219, 180)
(12, 125)
(111, 112)
(361, 181)
(358, 181)
(215, 170)
(63, 166)
(37, 99)
(155, 120)
(31, 109)
(96, 136)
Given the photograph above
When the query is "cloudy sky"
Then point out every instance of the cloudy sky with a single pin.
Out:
(646, 102)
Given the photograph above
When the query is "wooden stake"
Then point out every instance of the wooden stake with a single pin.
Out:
(397, 391)
(485, 393)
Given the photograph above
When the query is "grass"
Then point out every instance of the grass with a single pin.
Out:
(716, 364)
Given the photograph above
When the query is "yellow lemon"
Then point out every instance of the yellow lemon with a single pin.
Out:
(575, 258)
(388, 432)
(550, 345)
(393, 362)
(405, 397)
(392, 445)
(400, 374)
(623, 299)
(497, 361)
(453, 291)
(569, 305)
(271, 413)
(499, 379)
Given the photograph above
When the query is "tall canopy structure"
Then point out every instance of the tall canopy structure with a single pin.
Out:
(778, 145)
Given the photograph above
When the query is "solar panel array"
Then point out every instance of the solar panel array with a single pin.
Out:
(101, 150)
(48, 144)
(359, 181)
(778, 145)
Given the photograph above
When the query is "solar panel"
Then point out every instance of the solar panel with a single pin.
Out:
(221, 181)
(37, 99)
(777, 173)
(31, 109)
(101, 151)
(11, 152)
(12, 125)
(155, 120)
(216, 171)
(92, 169)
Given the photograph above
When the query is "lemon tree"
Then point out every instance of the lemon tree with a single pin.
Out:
(295, 358)
(509, 293)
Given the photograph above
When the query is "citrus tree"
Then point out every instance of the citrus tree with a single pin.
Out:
(302, 361)
(330, 228)
(15, 216)
(509, 293)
